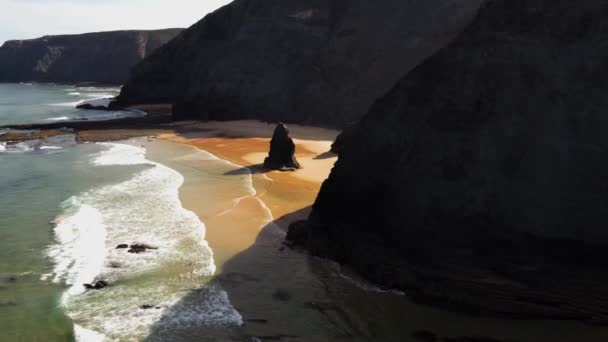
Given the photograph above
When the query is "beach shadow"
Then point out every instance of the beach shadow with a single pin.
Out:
(247, 170)
(325, 155)
(191, 132)
(273, 288)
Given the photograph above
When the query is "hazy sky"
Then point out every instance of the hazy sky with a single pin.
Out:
(24, 19)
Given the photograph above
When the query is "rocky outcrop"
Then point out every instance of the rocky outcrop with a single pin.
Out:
(103, 57)
(319, 62)
(282, 151)
(479, 181)
(101, 284)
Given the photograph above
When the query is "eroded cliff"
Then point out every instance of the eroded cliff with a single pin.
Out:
(319, 62)
(102, 57)
(480, 180)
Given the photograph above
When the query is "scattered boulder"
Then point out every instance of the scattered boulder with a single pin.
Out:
(282, 151)
(89, 106)
(101, 284)
(137, 248)
(148, 307)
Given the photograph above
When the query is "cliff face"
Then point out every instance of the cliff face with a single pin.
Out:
(104, 57)
(487, 165)
(316, 61)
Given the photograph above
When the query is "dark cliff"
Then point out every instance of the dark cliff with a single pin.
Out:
(102, 57)
(480, 180)
(319, 62)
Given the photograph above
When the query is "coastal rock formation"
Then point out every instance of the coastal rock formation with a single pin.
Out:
(102, 57)
(479, 182)
(138, 248)
(282, 151)
(318, 62)
(102, 284)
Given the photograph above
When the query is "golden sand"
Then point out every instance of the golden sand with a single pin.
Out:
(247, 143)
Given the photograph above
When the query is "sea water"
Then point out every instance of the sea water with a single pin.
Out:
(25, 103)
(65, 207)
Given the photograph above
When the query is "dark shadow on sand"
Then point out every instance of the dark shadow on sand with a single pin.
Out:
(259, 282)
(325, 155)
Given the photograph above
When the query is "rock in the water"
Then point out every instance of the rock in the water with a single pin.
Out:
(148, 307)
(122, 246)
(137, 248)
(97, 285)
(282, 151)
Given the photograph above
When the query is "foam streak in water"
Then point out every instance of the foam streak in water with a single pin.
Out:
(145, 209)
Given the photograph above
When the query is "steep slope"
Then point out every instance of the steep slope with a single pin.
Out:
(103, 57)
(480, 179)
(315, 61)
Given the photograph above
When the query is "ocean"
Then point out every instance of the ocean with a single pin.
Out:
(65, 207)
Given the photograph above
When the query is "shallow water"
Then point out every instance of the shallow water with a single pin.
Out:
(25, 103)
(63, 210)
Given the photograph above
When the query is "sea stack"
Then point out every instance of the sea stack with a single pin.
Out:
(282, 151)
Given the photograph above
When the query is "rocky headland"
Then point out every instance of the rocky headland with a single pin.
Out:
(478, 182)
(312, 62)
(101, 57)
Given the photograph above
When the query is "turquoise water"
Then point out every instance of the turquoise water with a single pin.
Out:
(64, 207)
(25, 103)
(32, 185)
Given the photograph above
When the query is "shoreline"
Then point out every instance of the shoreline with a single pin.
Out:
(246, 143)
(283, 293)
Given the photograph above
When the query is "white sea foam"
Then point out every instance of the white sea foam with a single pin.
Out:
(59, 118)
(74, 93)
(144, 209)
(99, 115)
(98, 100)
(21, 147)
(80, 251)
(65, 104)
(85, 335)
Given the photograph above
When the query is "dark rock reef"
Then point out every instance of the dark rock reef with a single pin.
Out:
(319, 62)
(101, 284)
(282, 151)
(102, 57)
(480, 181)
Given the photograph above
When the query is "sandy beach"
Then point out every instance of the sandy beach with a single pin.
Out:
(247, 142)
